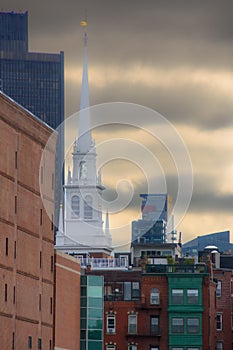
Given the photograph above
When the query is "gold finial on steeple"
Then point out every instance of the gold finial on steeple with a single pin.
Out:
(83, 23)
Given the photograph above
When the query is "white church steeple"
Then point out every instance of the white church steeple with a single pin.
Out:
(84, 134)
(83, 225)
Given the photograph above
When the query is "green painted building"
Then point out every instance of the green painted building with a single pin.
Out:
(185, 311)
(91, 337)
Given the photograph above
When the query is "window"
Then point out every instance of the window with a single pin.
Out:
(132, 347)
(51, 265)
(88, 208)
(131, 290)
(41, 217)
(132, 324)
(16, 160)
(51, 305)
(179, 348)
(193, 348)
(192, 296)
(177, 296)
(110, 347)
(39, 343)
(219, 345)
(154, 348)
(219, 322)
(219, 289)
(41, 175)
(177, 325)
(193, 325)
(15, 204)
(154, 296)
(13, 340)
(75, 205)
(39, 302)
(122, 291)
(127, 291)
(6, 246)
(111, 324)
(29, 342)
(135, 290)
(154, 324)
(5, 292)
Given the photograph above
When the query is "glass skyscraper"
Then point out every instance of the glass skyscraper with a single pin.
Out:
(34, 80)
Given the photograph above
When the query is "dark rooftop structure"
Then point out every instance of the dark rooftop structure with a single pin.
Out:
(219, 239)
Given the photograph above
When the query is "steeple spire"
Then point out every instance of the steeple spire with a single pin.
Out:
(84, 135)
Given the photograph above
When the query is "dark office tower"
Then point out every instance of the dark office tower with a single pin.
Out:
(34, 80)
(14, 32)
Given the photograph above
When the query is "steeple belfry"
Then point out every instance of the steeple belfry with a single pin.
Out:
(84, 135)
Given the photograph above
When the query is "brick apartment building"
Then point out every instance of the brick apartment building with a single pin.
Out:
(224, 310)
(26, 232)
(160, 308)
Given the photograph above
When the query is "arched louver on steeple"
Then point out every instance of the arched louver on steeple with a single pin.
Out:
(88, 210)
(75, 205)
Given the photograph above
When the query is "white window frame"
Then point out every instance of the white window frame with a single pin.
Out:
(219, 289)
(110, 347)
(134, 324)
(111, 328)
(132, 347)
(219, 345)
(154, 296)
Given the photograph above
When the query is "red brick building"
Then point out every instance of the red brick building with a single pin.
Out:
(224, 310)
(67, 302)
(138, 308)
(26, 232)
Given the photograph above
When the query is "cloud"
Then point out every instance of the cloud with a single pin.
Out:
(172, 56)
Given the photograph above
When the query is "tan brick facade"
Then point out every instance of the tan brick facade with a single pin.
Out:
(26, 233)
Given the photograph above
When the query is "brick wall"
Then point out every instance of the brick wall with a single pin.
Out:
(67, 302)
(26, 241)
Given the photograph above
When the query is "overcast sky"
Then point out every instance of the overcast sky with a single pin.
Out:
(175, 57)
